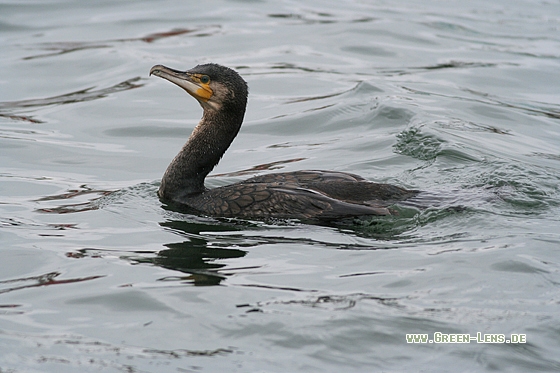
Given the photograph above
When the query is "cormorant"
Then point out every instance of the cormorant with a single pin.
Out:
(314, 194)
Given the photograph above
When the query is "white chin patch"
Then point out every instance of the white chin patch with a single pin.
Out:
(211, 105)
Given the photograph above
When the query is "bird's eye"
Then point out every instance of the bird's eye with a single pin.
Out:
(205, 79)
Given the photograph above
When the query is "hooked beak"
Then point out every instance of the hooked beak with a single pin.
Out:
(189, 82)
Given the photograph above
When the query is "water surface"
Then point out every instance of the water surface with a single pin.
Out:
(457, 99)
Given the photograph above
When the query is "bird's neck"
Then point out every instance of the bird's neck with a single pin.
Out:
(201, 153)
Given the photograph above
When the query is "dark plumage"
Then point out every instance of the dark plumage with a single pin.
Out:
(320, 195)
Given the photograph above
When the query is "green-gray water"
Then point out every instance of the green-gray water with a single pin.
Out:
(460, 99)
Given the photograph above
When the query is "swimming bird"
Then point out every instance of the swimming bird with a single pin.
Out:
(306, 195)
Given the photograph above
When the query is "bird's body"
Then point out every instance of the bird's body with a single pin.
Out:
(316, 195)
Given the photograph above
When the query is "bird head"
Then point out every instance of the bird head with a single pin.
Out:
(214, 86)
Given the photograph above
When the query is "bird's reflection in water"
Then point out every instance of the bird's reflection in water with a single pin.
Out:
(196, 256)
